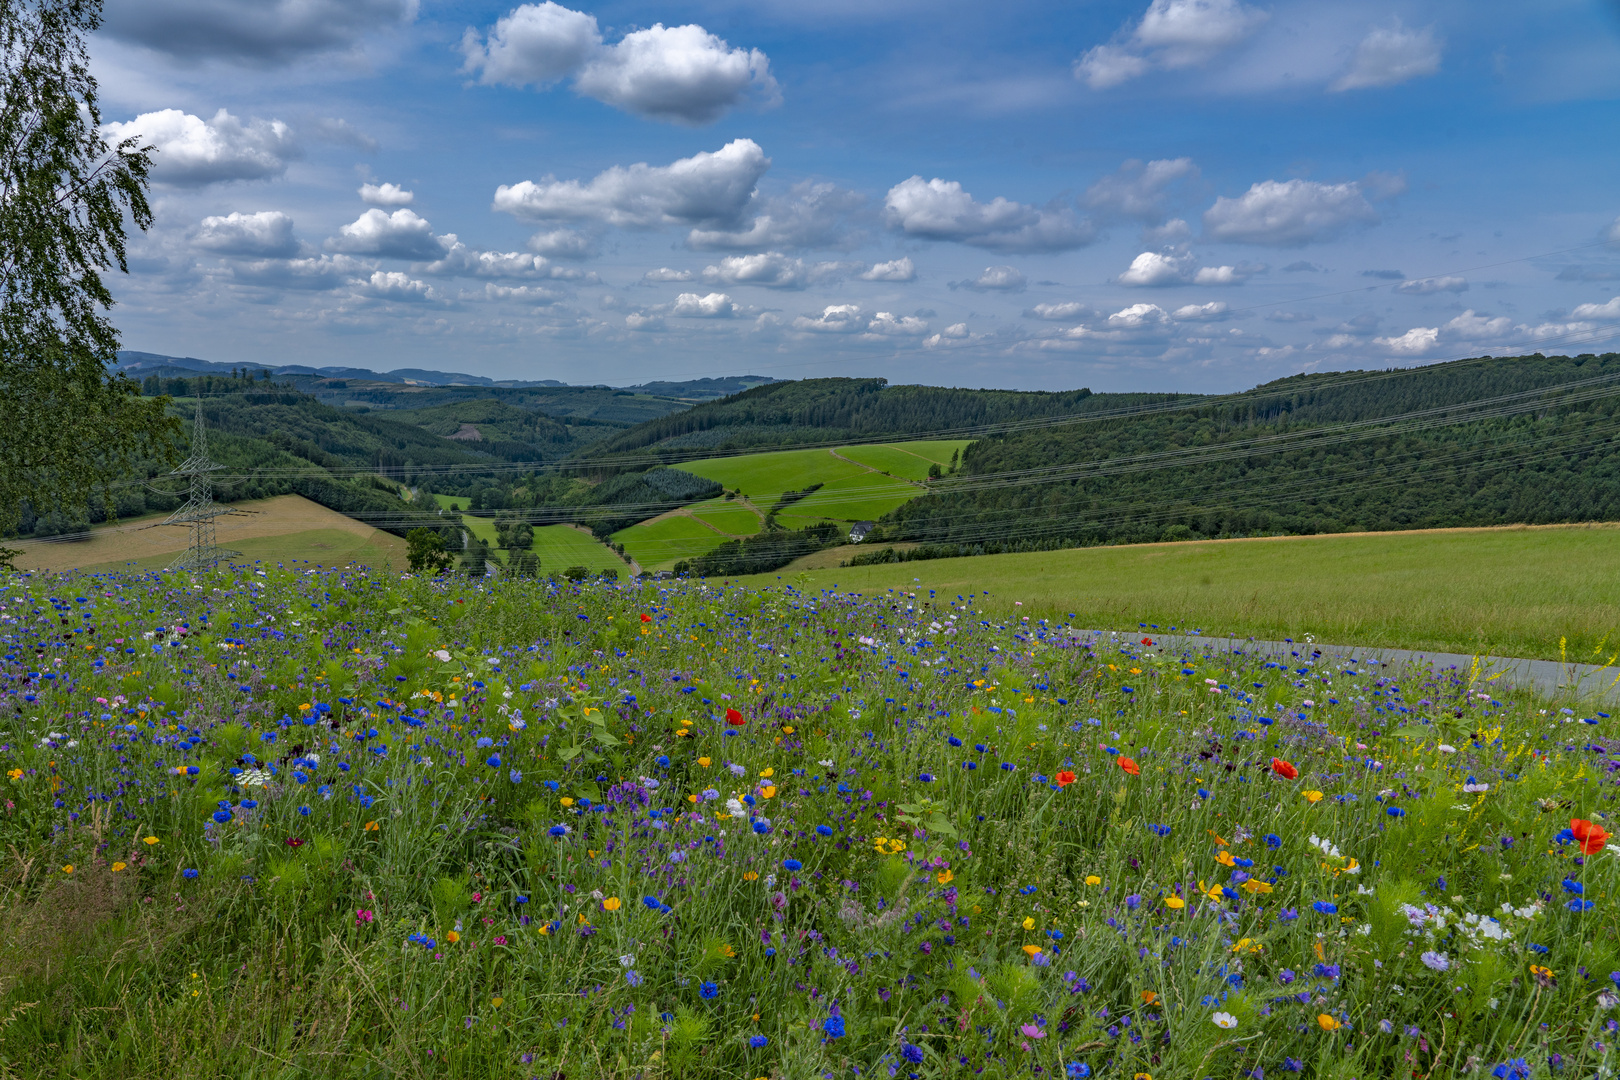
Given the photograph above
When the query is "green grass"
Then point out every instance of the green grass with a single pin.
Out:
(728, 517)
(1512, 592)
(562, 546)
(852, 491)
(909, 461)
(660, 544)
(452, 502)
(681, 831)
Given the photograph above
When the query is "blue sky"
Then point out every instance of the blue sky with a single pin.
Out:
(1153, 195)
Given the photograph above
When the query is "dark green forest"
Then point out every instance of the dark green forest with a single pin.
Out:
(830, 411)
(1481, 442)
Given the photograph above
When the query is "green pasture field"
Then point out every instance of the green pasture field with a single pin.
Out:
(909, 461)
(1506, 591)
(452, 502)
(865, 497)
(729, 517)
(563, 546)
(763, 478)
(661, 543)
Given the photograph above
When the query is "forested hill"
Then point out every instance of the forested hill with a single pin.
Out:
(829, 411)
(1490, 441)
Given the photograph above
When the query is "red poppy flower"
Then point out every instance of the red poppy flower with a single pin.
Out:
(1591, 836)
(1284, 769)
(646, 618)
(1147, 641)
(735, 718)
(1130, 766)
(1065, 778)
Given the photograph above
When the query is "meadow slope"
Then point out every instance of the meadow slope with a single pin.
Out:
(261, 823)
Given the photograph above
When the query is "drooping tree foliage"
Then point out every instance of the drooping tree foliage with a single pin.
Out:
(66, 197)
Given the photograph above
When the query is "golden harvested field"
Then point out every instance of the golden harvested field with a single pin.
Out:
(281, 529)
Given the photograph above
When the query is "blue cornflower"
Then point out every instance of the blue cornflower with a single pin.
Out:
(1513, 1069)
(792, 865)
(912, 1053)
(303, 811)
(1580, 905)
(824, 830)
(927, 778)
(662, 761)
(249, 804)
(558, 830)
(493, 761)
(762, 826)
(1326, 908)
(833, 1027)
(222, 816)
(633, 977)
(1078, 1070)
(1572, 886)
(1394, 811)
(188, 873)
(1273, 841)
(708, 990)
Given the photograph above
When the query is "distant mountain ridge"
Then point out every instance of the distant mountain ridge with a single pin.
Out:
(140, 364)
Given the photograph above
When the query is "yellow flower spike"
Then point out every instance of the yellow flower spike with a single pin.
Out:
(1174, 903)
(611, 903)
(1029, 922)
(1093, 879)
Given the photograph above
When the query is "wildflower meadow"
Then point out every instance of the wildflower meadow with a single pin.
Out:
(300, 822)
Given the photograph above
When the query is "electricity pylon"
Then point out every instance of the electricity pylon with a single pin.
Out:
(200, 509)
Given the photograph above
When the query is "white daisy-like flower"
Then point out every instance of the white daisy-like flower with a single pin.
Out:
(1225, 1021)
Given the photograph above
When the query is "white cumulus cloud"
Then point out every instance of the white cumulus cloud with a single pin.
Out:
(713, 306)
(267, 234)
(771, 270)
(995, 279)
(1172, 34)
(1289, 213)
(457, 259)
(900, 269)
(704, 189)
(1608, 310)
(316, 274)
(1067, 311)
(940, 210)
(1153, 268)
(834, 319)
(386, 195)
(1415, 342)
(396, 286)
(189, 151)
(889, 325)
(404, 234)
(1471, 327)
(638, 321)
(1138, 317)
(664, 273)
(1390, 55)
(1215, 309)
(682, 74)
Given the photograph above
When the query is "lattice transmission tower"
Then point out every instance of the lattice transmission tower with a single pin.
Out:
(200, 509)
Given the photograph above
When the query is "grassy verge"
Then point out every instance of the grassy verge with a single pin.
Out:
(1509, 591)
